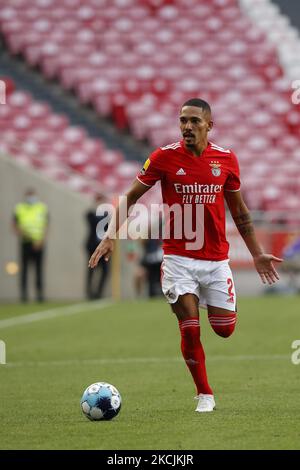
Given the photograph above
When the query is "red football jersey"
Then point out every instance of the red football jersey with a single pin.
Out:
(193, 187)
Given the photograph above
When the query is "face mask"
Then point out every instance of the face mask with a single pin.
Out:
(31, 199)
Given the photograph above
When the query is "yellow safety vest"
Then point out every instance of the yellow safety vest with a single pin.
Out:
(32, 219)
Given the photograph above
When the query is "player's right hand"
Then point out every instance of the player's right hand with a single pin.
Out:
(105, 248)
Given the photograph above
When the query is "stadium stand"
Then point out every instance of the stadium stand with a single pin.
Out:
(137, 61)
(34, 135)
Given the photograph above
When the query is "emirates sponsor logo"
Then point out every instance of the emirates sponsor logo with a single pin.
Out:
(196, 188)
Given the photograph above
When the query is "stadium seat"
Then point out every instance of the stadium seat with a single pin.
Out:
(35, 136)
(137, 61)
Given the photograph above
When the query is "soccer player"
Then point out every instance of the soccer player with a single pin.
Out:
(200, 174)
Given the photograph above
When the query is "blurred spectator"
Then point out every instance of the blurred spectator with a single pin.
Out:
(139, 280)
(30, 222)
(151, 262)
(95, 278)
(291, 265)
(148, 269)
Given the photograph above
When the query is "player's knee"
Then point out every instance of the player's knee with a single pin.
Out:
(223, 325)
(224, 331)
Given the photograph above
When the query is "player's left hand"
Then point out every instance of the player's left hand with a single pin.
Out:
(265, 268)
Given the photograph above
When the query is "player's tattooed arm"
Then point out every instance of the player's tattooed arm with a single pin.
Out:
(263, 262)
(242, 218)
(244, 224)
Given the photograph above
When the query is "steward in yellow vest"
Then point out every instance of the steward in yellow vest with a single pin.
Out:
(30, 224)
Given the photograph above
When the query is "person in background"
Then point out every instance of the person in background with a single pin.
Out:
(151, 261)
(291, 256)
(94, 286)
(30, 223)
(148, 270)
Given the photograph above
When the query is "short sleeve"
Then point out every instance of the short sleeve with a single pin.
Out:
(152, 170)
(233, 182)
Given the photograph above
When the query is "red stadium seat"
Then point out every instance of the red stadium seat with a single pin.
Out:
(137, 61)
(35, 136)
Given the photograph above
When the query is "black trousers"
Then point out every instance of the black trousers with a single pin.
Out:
(96, 278)
(153, 275)
(30, 256)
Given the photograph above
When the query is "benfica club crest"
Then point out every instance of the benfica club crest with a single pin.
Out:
(215, 168)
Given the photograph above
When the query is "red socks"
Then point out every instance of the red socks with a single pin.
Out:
(223, 324)
(191, 347)
(193, 353)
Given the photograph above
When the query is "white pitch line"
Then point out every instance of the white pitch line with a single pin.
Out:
(142, 360)
(54, 312)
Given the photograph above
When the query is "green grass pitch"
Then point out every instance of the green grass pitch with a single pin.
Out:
(135, 346)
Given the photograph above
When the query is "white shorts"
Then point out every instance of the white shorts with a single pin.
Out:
(211, 281)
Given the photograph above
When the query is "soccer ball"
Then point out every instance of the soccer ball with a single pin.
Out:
(100, 401)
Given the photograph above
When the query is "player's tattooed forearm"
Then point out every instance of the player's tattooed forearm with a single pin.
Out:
(242, 219)
(246, 229)
(244, 224)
